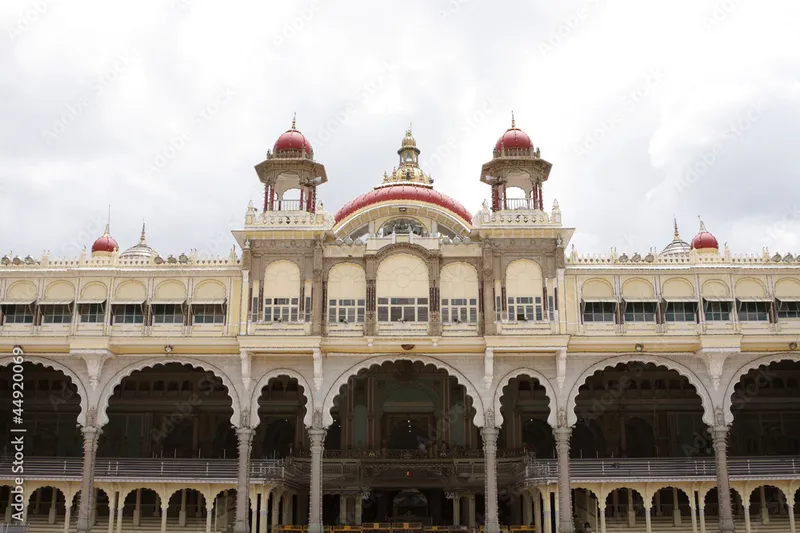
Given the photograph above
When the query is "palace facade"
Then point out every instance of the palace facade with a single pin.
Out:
(402, 361)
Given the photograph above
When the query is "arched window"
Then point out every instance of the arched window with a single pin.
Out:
(524, 291)
(459, 293)
(402, 226)
(282, 292)
(347, 290)
(402, 287)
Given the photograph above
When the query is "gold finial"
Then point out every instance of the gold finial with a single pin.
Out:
(702, 226)
(294, 120)
(513, 125)
(675, 225)
(141, 239)
(107, 230)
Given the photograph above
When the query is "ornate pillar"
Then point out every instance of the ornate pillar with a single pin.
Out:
(701, 511)
(245, 435)
(791, 519)
(456, 509)
(676, 510)
(562, 434)
(602, 510)
(548, 516)
(90, 436)
(489, 433)
(182, 512)
(263, 514)
(111, 497)
(120, 508)
(276, 509)
(631, 514)
(537, 511)
(164, 506)
(137, 510)
(51, 514)
(764, 510)
(648, 526)
(359, 500)
(209, 513)
(693, 511)
(317, 437)
(720, 434)
(342, 509)
(68, 516)
(747, 518)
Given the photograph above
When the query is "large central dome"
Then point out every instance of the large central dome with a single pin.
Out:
(406, 182)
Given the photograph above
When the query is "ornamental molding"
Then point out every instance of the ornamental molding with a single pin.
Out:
(94, 359)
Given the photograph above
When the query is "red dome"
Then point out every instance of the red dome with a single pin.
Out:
(704, 240)
(292, 140)
(514, 138)
(403, 192)
(105, 244)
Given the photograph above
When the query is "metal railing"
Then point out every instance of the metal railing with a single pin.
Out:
(777, 467)
(519, 203)
(70, 468)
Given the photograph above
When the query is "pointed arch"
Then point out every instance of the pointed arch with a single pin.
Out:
(543, 381)
(264, 381)
(108, 390)
(727, 400)
(341, 381)
(645, 358)
(49, 363)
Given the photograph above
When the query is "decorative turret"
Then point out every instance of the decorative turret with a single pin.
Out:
(140, 250)
(677, 247)
(516, 164)
(105, 245)
(291, 167)
(705, 242)
(408, 173)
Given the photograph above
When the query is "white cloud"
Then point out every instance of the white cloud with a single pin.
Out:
(622, 97)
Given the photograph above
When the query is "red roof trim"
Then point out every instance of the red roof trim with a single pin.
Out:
(403, 192)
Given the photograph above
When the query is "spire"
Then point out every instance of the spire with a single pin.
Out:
(141, 239)
(513, 125)
(107, 230)
(676, 235)
(702, 226)
(294, 121)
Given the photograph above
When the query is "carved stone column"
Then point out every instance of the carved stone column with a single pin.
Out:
(720, 434)
(317, 438)
(489, 434)
(242, 524)
(316, 296)
(562, 434)
(90, 436)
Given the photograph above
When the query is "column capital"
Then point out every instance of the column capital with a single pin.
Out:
(316, 435)
(245, 433)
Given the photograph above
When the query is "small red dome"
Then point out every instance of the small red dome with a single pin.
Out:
(704, 240)
(514, 138)
(105, 244)
(403, 192)
(292, 140)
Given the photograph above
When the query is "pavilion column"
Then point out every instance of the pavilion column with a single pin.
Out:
(51, 515)
(120, 509)
(263, 513)
(276, 509)
(693, 511)
(720, 435)
(182, 513)
(289, 510)
(489, 434)
(209, 513)
(358, 508)
(602, 518)
(342, 509)
(537, 511)
(548, 514)
(68, 516)
(747, 527)
(90, 437)
(245, 435)
(648, 526)
(471, 509)
(164, 506)
(137, 511)
(764, 510)
(457, 509)
(317, 437)
(676, 510)
(791, 519)
(111, 508)
(562, 434)
(631, 514)
(527, 508)
(701, 510)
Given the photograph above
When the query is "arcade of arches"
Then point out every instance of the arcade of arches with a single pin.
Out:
(403, 447)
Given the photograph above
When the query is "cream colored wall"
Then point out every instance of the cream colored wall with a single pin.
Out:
(638, 287)
(458, 280)
(678, 287)
(402, 276)
(282, 280)
(523, 278)
(347, 281)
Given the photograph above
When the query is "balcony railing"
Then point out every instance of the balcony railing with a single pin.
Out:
(665, 469)
(519, 203)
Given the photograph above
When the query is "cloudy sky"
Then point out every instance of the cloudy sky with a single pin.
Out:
(161, 108)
